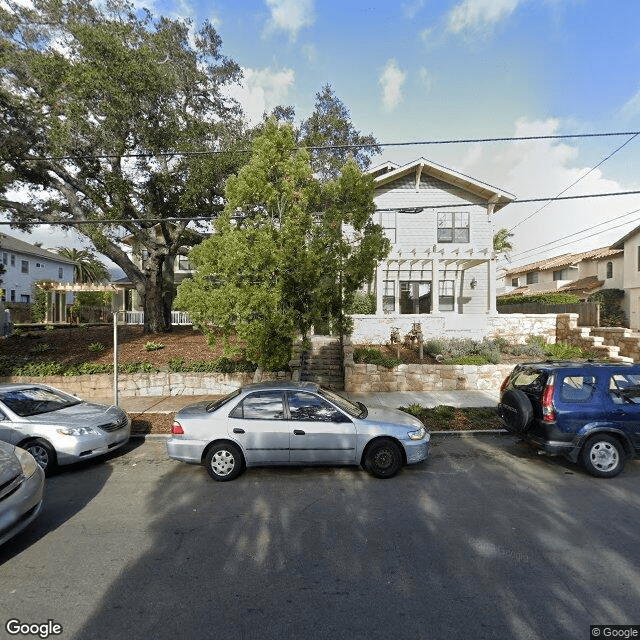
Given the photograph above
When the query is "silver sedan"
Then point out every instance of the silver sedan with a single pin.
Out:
(58, 428)
(285, 423)
(21, 490)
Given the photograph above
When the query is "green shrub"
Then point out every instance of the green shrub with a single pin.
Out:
(433, 347)
(41, 348)
(137, 367)
(541, 298)
(611, 313)
(371, 355)
(153, 346)
(49, 327)
(38, 369)
(363, 303)
(96, 347)
(176, 365)
(473, 359)
(563, 351)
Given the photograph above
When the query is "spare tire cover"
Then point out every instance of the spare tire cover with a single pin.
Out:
(515, 410)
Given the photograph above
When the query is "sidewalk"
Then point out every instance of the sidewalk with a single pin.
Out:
(394, 399)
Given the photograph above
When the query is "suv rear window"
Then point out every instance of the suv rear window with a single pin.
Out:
(529, 380)
(577, 388)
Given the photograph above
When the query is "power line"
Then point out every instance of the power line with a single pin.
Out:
(120, 221)
(337, 147)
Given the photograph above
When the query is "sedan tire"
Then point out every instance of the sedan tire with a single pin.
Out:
(224, 461)
(44, 454)
(603, 456)
(383, 458)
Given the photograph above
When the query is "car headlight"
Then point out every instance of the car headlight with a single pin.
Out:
(418, 434)
(78, 431)
(27, 461)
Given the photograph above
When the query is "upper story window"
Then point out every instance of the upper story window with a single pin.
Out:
(561, 274)
(453, 227)
(184, 264)
(532, 277)
(13, 260)
(25, 266)
(514, 282)
(388, 220)
(60, 272)
(5, 258)
(609, 269)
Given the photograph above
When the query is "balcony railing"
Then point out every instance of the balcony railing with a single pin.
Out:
(137, 317)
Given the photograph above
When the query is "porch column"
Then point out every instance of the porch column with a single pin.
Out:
(379, 290)
(491, 286)
(435, 286)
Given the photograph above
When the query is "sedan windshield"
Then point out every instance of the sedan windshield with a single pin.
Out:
(32, 401)
(354, 410)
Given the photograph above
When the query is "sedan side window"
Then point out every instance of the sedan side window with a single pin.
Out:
(309, 407)
(263, 405)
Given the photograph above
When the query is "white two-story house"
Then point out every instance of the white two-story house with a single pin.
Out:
(26, 264)
(441, 271)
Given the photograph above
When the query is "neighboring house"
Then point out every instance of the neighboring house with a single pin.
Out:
(441, 271)
(630, 246)
(578, 273)
(26, 264)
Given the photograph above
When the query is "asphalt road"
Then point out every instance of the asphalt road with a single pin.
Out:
(485, 540)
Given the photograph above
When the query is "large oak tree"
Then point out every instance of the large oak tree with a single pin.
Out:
(101, 109)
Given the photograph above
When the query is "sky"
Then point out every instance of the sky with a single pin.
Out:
(434, 70)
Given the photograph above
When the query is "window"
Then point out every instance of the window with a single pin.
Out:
(389, 224)
(609, 270)
(514, 282)
(13, 260)
(264, 405)
(453, 227)
(184, 264)
(446, 297)
(625, 388)
(415, 297)
(13, 295)
(532, 277)
(389, 297)
(25, 297)
(309, 407)
(577, 388)
(60, 273)
(25, 266)
(561, 274)
(5, 258)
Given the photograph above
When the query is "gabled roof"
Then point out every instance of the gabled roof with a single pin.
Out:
(565, 260)
(584, 286)
(9, 243)
(620, 243)
(388, 172)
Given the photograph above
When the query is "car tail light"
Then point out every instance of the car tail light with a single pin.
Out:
(176, 428)
(505, 382)
(548, 414)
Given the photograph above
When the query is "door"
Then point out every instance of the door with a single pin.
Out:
(624, 392)
(320, 432)
(258, 424)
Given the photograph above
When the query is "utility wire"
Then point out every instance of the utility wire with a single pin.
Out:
(537, 211)
(336, 147)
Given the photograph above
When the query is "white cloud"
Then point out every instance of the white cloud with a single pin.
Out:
(411, 10)
(290, 15)
(261, 90)
(631, 108)
(480, 15)
(426, 78)
(541, 168)
(391, 79)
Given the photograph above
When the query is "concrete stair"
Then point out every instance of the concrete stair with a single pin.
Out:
(323, 363)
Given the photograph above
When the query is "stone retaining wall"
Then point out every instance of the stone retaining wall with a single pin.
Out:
(363, 378)
(150, 384)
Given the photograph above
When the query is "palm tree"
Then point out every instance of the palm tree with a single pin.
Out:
(87, 267)
(501, 242)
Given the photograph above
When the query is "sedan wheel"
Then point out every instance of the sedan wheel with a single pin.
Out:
(383, 459)
(44, 454)
(224, 462)
(603, 456)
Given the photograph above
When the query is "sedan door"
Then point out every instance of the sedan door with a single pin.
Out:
(258, 424)
(8, 431)
(320, 432)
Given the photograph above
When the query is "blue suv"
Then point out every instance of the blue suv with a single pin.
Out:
(586, 411)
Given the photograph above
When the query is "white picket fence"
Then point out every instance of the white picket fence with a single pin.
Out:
(177, 317)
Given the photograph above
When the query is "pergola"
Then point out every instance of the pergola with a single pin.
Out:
(56, 296)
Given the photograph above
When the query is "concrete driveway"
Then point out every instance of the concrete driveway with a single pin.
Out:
(485, 540)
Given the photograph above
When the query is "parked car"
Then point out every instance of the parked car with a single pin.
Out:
(286, 423)
(57, 428)
(21, 490)
(586, 411)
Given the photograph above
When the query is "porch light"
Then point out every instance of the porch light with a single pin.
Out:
(474, 283)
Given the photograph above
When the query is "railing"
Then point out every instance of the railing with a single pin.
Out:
(137, 317)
